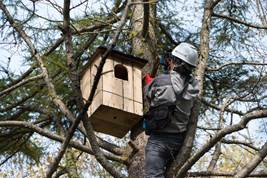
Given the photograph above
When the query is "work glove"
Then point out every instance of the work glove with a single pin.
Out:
(148, 79)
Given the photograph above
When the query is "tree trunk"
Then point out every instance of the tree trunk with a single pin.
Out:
(186, 149)
(144, 45)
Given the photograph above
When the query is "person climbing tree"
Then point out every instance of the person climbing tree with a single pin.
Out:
(170, 96)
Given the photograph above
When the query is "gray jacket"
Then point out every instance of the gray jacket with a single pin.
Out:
(172, 89)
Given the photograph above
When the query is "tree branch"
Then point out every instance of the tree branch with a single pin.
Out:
(168, 35)
(17, 103)
(55, 98)
(227, 130)
(215, 157)
(54, 46)
(88, 126)
(245, 171)
(82, 48)
(73, 77)
(23, 76)
(22, 82)
(186, 149)
(145, 19)
(50, 135)
(214, 3)
(220, 174)
(239, 21)
(97, 26)
(240, 143)
(218, 108)
(236, 63)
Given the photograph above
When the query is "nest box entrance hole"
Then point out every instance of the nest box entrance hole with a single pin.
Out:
(121, 72)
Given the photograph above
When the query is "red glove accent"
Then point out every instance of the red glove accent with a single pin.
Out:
(148, 79)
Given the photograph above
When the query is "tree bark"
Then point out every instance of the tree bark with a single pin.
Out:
(186, 149)
(144, 45)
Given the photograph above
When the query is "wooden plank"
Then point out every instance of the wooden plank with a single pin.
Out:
(86, 86)
(97, 101)
(128, 105)
(128, 85)
(108, 66)
(112, 100)
(94, 67)
(138, 108)
(113, 121)
(107, 75)
(110, 83)
(116, 116)
(137, 84)
(85, 83)
(110, 129)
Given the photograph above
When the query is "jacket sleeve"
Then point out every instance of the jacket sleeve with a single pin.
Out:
(148, 91)
(192, 90)
(177, 83)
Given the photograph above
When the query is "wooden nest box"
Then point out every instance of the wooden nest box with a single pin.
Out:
(117, 105)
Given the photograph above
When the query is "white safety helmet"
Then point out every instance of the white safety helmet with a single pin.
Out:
(187, 53)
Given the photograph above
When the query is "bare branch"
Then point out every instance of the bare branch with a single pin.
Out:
(239, 21)
(261, 12)
(214, 3)
(240, 143)
(79, 4)
(145, 2)
(207, 128)
(23, 76)
(73, 76)
(168, 35)
(53, 47)
(56, 6)
(50, 135)
(215, 157)
(236, 63)
(219, 108)
(82, 48)
(227, 130)
(245, 171)
(220, 174)
(17, 103)
(55, 98)
(96, 26)
(23, 82)
(87, 124)
(32, 11)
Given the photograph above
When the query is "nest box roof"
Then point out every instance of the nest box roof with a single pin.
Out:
(118, 54)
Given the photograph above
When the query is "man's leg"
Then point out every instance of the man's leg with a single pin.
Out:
(156, 157)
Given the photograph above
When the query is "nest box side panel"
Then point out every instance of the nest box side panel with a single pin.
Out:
(137, 88)
(128, 89)
(97, 100)
(112, 87)
(117, 83)
(94, 67)
(86, 83)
